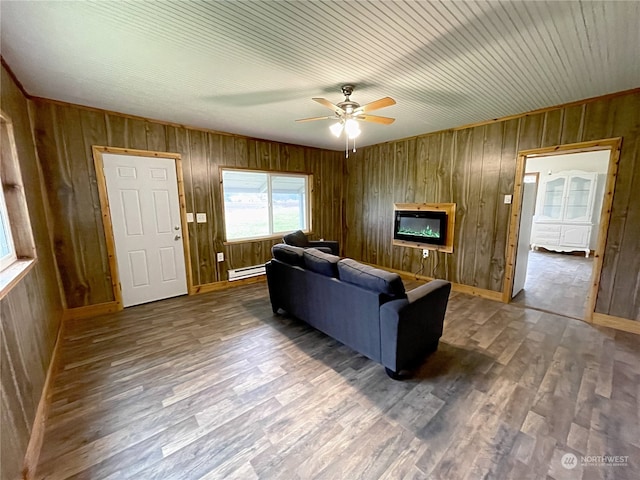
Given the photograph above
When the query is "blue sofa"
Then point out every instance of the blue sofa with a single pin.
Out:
(362, 307)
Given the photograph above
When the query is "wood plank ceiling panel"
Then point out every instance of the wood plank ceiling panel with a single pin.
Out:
(228, 66)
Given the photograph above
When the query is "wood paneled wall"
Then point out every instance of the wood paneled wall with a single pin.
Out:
(30, 313)
(475, 167)
(64, 136)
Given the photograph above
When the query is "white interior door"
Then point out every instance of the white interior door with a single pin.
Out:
(145, 215)
(524, 237)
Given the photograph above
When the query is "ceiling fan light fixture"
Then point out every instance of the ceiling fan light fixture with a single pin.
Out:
(336, 128)
(352, 128)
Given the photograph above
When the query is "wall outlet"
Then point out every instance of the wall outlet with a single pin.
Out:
(508, 199)
(220, 256)
(425, 253)
(201, 218)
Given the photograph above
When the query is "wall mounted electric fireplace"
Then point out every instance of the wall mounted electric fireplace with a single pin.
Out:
(424, 225)
(420, 226)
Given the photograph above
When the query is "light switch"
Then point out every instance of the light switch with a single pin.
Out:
(508, 199)
(201, 218)
(189, 217)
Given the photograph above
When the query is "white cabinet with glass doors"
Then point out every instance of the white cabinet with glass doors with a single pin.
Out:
(564, 211)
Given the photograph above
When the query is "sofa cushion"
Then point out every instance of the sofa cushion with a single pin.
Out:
(288, 254)
(320, 262)
(370, 278)
(297, 238)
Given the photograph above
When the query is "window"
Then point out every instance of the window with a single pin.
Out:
(17, 248)
(7, 249)
(264, 204)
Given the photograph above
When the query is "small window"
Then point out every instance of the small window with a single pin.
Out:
(17, 248)
(264, 204)
(7, 248)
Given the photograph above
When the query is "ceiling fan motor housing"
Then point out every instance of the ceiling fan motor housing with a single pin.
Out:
(348, 89)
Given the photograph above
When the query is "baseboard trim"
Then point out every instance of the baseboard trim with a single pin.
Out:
(91, 310)
(225, 284)
(624, 324)
(477, 292)
(32, 455)
(456, 287)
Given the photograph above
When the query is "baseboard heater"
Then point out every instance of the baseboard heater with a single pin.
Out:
(246, 272)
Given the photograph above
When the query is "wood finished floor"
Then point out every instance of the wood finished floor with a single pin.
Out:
(557, 282)
(215, 387)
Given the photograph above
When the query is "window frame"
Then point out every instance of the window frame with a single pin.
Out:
(10, 258)
(15, 211)
(308, 177)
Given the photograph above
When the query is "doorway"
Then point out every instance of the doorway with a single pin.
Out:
(144, 225)
(562, 204)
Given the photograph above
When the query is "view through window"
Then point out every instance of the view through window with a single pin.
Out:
(7, 250)
(262, 204)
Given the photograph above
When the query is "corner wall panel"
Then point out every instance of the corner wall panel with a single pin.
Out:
(31, 311)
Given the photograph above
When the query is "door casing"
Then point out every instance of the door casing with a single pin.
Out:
(613, 145)
(98, 151)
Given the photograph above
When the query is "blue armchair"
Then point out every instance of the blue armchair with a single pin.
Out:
(299, 239)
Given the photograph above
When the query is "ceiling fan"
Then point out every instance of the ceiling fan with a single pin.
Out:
(348, 113)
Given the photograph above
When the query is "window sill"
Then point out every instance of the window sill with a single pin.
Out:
(277, 236)
(10, 276)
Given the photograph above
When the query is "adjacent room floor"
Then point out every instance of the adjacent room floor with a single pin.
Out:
(215, 386)
(557, 282)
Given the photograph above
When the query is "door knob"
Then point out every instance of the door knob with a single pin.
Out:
(177, 237)
(176, 227)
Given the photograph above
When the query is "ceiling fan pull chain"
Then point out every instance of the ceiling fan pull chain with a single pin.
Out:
(346, 147)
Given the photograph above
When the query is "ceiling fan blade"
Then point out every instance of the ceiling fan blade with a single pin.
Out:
(328, 104)
(313, 118)
(376, 119)
(381, 103)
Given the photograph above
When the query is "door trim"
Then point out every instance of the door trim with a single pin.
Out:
(98, 161)
(613, 145)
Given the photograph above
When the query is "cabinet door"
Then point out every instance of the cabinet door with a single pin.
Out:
(553, 199)
(579, 202)
(575, 236)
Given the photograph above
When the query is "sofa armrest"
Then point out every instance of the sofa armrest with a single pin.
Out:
(332, 245)
(411, 327)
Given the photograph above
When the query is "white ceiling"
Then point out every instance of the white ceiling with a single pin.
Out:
(252, 67)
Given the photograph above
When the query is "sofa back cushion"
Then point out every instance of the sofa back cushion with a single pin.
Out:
(371, 278)
(297, 239)
(288, 254)
(321, 262)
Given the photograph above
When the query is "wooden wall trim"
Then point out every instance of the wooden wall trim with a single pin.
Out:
(10, 276)
(584, 101)
(624, 324)
(98, 151)
(160, 122)
(36, 438)
(108, 227)
(91, 310)
(225, 284)
(463, 127)
(13, 77)
(518, 116)
(613, 145)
